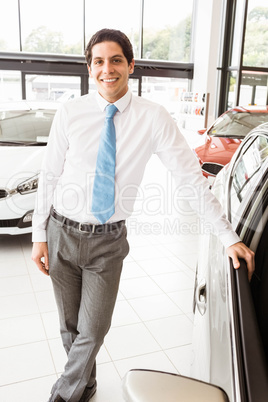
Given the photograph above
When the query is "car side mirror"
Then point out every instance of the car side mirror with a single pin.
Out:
(157, 386)
(202, 131)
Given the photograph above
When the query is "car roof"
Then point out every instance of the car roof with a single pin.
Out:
(249, 109)
(28, 105)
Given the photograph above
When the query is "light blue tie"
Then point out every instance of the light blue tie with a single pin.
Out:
(103, 187)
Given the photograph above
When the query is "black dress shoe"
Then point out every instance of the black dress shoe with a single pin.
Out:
(59, 399)
(88, 393)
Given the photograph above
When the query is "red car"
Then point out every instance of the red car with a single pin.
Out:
(225, 135)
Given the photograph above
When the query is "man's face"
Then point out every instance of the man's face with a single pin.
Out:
(110, 70)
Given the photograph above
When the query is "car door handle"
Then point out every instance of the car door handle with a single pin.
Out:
(201, 297)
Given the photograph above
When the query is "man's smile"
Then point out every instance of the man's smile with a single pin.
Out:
(109, 79)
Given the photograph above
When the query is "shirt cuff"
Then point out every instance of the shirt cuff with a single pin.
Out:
(39, 236)
(229, 239)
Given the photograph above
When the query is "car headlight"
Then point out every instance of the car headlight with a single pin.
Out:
(29, 185)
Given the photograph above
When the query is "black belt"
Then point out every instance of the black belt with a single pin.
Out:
(86, 227)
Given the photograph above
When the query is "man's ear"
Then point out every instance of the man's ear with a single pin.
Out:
(89, 70)
(131, 67)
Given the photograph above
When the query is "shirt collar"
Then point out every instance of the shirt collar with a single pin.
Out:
(121, 104)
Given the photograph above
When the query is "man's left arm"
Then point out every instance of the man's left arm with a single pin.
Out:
(240, 250)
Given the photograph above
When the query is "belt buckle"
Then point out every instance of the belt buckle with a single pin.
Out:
(86, 231)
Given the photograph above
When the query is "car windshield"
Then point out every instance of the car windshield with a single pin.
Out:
(236, 124)
(25, 127)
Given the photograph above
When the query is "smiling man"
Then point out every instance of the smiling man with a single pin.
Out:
(87, 189)
(110, 70)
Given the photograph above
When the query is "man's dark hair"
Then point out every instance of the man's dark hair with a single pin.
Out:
(110, 35)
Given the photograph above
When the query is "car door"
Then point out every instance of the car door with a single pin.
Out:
(212, 346)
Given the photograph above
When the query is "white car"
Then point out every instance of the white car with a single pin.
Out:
(24, 131)
(230, 341)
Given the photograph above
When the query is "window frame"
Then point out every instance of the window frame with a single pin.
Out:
(30, 63)
(225, 67)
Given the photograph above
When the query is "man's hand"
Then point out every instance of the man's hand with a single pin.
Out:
(40, 256)
(240, 250)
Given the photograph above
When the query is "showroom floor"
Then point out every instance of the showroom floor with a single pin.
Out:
(151, 327)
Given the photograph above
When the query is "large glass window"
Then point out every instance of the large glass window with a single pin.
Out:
(52, 87)
(238, 29)
(133, 84)
(254, 88)
(166, 91)
(9, 26)
(61, 26)
(256, 39)
(10, 85)
(245, 75)
(117, 14)
(167, 30)
(52, 26)
(232, 89)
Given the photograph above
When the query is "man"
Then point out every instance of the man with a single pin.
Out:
(83, 253)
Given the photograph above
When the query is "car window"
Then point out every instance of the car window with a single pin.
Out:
(237, 124)
(25, 126)
(246, 168)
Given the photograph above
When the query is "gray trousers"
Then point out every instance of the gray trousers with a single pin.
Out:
(85, 270)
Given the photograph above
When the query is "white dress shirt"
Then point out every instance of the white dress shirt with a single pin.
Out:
(143, 128)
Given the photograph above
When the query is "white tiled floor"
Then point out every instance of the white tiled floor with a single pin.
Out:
(151, 327)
